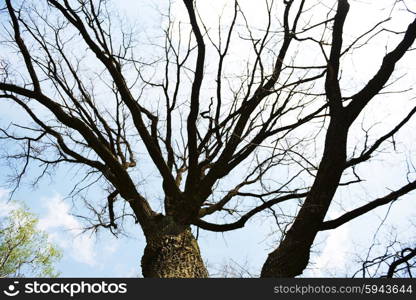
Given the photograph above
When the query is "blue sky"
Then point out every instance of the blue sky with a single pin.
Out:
(103, 255)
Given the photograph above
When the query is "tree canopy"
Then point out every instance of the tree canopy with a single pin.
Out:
(25, 251)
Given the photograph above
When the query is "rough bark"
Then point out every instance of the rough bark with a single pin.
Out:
(172, 252)
(292, 255)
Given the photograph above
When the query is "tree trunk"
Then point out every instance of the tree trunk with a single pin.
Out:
(292, 255)
(172, 252)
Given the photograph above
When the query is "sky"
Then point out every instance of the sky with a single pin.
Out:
(335, 252)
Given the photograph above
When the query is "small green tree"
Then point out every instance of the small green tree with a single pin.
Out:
(24, 249)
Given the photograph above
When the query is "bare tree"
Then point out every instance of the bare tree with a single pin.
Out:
(397, 260)
(216, 139)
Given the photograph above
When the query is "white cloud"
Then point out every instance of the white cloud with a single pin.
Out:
(126, 272)
(111, 248)
(6, 206)
(333, 258)
(64, 229)
(3, 193)
(132, 272)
